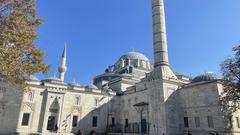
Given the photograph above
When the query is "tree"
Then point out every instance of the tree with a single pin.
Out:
(231, 84)
(19, 56)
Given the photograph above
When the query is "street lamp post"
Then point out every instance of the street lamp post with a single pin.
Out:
(141, 107)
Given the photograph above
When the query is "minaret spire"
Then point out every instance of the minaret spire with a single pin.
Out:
(63, 68)
(159, 34)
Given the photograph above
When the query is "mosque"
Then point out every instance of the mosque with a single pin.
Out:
(132, 96)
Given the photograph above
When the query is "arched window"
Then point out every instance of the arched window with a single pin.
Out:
(130, 69)
(127, 62)
(77, 101)
(95, 102)
(30, 96)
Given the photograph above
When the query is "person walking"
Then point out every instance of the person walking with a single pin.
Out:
(92, 132)
(211, 133)
(79, 132)
(56, 128)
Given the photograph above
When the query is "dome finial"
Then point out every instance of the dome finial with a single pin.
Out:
(74, 81)
(133, 49)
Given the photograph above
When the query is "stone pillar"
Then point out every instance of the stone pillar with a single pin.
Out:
(129, 62)
(159, 34)
(122, 63)
(138, 63)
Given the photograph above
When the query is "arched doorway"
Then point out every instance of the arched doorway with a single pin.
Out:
(52, 123)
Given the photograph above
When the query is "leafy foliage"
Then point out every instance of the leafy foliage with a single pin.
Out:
(19, 56)
(231, 73)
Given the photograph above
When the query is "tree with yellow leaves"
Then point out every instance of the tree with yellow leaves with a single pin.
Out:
(19, 56)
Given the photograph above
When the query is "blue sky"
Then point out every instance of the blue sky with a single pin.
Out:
(201, 33)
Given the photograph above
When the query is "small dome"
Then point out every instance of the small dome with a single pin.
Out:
(32, 78)
(75, 84)
(134, 55)
(91, 86)
(205, 77)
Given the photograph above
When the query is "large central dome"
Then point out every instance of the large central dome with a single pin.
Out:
(131, 60)
(134, 55)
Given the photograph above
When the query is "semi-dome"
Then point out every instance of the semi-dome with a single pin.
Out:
(205, 77)
(134, 55)
(91, 86)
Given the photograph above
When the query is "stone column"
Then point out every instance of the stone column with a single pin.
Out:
(159, 34)
(122, 63)
(138, 63)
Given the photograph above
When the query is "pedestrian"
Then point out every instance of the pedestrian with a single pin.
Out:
(189, 133)
(79, 132)
(211, 133)
(92, 132)
(56, 128)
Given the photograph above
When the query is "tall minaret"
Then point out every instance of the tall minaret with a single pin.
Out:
(159, 34)
(162, 82)
(63, 68)
(161, 63)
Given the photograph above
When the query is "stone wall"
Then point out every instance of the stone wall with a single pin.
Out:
(10, 99)
(200, 101)
(61, 102)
